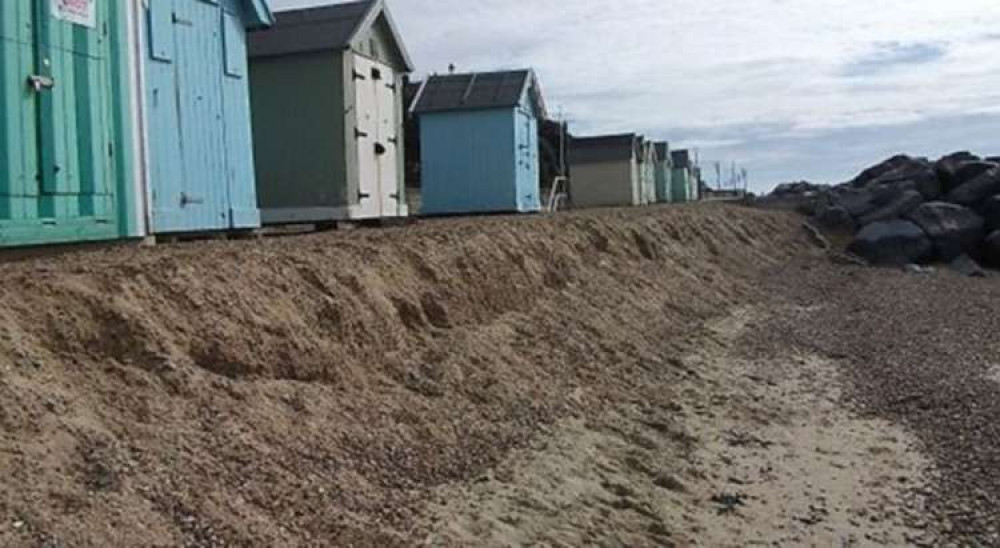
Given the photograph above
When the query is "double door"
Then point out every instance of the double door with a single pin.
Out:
(377, 133)
(57, 103)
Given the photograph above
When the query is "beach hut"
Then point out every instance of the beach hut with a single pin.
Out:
(681, 177)
(66, 158)
(647, 172)
(195, 132)
(663, 172)
(479, 142)
(604, 171)
(327, 94)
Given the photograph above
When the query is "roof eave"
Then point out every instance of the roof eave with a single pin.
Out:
(376, 8)
(260, 14)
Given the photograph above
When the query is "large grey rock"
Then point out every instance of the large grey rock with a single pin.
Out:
(954, 230)
(903, 204)
(948, 167)
(881, 169)
(834, 218)
(972, 170)
(978, 189)
(991, 249)
(887, 193)
(917, 173)
(991, 213)
(892, 243)
(857, 202)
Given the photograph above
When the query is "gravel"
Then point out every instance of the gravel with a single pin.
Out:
(921, 351)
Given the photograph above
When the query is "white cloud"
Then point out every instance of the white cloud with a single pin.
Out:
(673, 68)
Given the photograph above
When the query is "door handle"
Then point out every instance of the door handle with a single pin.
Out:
(39, 83)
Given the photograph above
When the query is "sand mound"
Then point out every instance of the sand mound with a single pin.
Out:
(321, 387)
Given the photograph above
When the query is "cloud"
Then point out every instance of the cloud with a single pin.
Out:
(886, 56)
(765, 83)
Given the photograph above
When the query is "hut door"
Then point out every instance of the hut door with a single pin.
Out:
(59, 98)
(378, 137)
(366, 132)
(186, 128)
(527, 198)
(386, 145)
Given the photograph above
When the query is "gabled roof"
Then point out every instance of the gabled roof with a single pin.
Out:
(681, 158)
(477, 91)
(324, 28)
(603, 148)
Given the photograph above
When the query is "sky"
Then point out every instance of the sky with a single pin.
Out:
(787, 89)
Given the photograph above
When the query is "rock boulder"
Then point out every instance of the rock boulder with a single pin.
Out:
(954, 230)
(948, 167)
(892, 243)
(901, 205)
(978, 189)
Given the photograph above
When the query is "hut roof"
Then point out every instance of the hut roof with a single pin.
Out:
(477, 91)
(324, 28)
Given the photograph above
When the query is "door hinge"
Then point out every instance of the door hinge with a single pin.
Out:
(363, 195)
(393, 140)
(392, 87)
(358, 134)
(394, 196)
(359, 76)
(178, 21)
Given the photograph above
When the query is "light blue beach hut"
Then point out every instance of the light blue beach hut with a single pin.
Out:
(479, 142)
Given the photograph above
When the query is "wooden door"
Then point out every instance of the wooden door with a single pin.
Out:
(369, 195)
(387, 139)
(186, 128)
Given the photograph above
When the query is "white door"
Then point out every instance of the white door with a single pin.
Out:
(366, 132)
(387, 145)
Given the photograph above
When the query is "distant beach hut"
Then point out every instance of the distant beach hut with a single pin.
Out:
(605, 171)
(681, 178)
(479, 142)
(663, 172)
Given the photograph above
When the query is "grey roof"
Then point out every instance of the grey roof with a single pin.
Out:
(681, 158)
(477, 91)
(322, 28)
(603, 148)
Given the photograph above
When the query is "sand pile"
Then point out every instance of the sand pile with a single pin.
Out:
(321, 387)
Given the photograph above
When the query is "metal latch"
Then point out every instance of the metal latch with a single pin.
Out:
(38, 82)
(187, 200)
